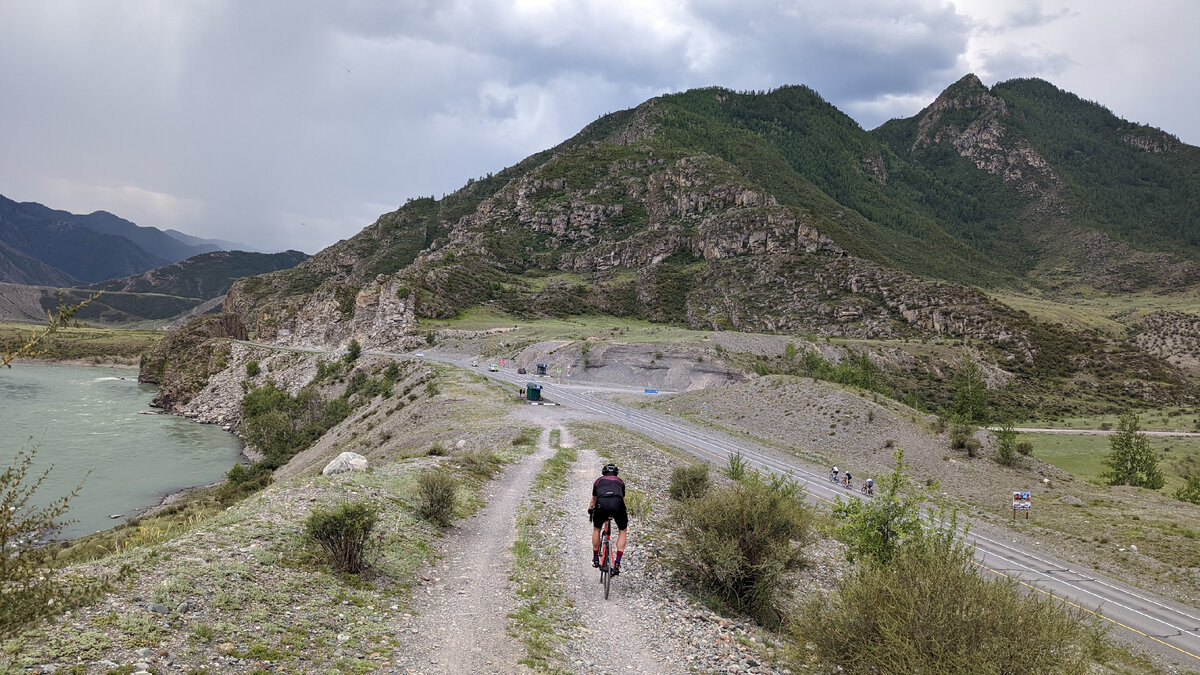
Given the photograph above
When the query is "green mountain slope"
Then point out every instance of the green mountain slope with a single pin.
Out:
(775, 212)
(1074, 197)
(204, 276)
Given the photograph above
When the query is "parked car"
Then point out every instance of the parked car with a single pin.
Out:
(520, 371)
(494, 368)
(474, 364)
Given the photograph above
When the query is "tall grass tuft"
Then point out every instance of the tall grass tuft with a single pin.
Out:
(688, 482)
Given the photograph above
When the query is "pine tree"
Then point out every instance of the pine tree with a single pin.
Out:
(1130, 459)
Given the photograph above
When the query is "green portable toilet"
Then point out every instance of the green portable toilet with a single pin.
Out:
(533, 391)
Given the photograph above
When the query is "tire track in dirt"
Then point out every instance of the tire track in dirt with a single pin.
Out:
(462, 613)
(618, 637)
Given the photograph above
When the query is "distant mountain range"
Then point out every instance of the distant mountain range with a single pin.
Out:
(74, 249)
(776, 212)
(155, 297)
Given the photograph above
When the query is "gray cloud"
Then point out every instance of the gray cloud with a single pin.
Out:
(293, 123)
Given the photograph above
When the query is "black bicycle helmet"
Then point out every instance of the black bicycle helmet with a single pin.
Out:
(610, 470)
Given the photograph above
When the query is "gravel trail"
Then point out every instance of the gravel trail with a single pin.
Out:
(620, 633)
(461, 612)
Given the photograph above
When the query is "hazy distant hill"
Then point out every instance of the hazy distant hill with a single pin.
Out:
(84, 248)
(215, 244)
(18, 268)
(204, 276)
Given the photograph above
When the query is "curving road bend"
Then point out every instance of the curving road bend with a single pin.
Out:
(1169, 628)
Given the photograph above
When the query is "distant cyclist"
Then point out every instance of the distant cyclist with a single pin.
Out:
(847, 479)
(608, 499)
(833, 475)
(870, 487)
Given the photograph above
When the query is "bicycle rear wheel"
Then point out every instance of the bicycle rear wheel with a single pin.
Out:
(606, 558)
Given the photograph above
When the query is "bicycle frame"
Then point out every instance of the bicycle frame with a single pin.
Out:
(606, 555)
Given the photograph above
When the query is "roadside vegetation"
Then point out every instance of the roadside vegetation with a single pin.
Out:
(902, 607)
(739, 543)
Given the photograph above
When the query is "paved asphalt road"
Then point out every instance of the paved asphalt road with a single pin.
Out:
(1167, 627)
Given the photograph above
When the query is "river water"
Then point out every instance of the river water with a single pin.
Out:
(85, 418)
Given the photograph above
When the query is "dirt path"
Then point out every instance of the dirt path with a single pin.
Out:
(619, 637)
(461, 613)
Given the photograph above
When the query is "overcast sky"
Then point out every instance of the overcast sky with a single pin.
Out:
(294, 123)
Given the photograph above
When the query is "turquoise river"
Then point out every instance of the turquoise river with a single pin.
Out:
(83, 419)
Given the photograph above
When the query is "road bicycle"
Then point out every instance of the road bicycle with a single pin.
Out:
(868, 490)
(606, 555)
(834, 478)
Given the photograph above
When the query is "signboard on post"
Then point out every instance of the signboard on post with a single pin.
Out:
(1021, 502)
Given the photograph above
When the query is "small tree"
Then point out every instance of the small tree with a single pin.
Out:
(30, 588)
(1007, 453)
(1130, 460)
(353, 351)
(970, 393)
(874, 529)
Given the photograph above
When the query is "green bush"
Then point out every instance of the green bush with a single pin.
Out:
(1191, 491)
(343, 534)
(874, 529)
(352, 352)
(739, 542)
(928, 611)
(252, 368)
(962, 438)
(437, 492)
(688, 482)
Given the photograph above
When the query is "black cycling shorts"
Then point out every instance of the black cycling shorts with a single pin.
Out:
(610, 507)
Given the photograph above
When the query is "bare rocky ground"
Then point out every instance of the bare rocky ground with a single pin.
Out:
(243, 593)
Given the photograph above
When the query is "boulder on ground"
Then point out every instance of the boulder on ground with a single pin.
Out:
(347, 461)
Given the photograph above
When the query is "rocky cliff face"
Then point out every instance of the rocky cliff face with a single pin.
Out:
(970, 118)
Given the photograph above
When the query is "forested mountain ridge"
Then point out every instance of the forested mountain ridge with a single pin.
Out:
(203, 276)
(1105, 203)
(761, 212)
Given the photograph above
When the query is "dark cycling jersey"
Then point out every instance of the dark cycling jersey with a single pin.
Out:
(609, 492)
(608, 486)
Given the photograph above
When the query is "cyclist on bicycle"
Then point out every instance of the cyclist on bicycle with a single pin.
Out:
(870, 487)
(608, 499)
(847, 479)
(833, 474)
